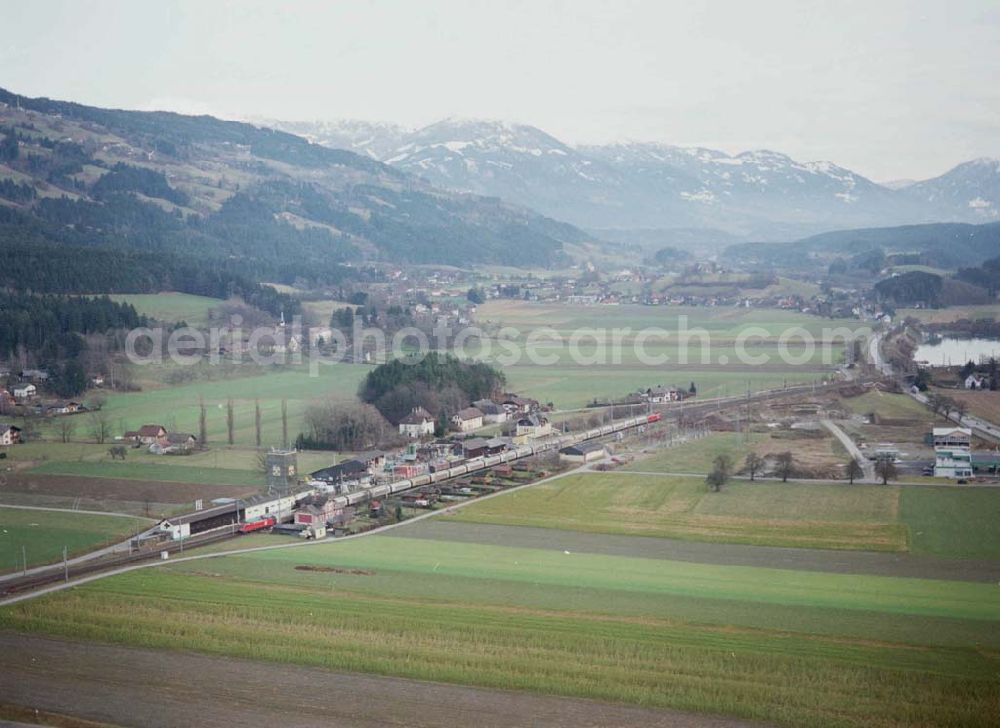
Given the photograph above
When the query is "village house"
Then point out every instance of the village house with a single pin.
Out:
(662, 395)
(974, 381)
(467, 419)
(521, 405)
(9, 434)
(533, 426)
(493, 413)
(319, 510)
(173, 443)
(147, 434)
(417, 424)
(24, 392)
(63, 408)
(34, 375)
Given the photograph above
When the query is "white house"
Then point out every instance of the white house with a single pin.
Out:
(417, 424)
(974, 381)
(9, 435)
(952, 452)
(24, 392)
(492, 412)
(470, 418)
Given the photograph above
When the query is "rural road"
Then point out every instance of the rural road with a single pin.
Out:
(853, 450)
(156, 689)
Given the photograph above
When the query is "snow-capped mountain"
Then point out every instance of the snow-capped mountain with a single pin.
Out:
(760, 194)
(970, 191)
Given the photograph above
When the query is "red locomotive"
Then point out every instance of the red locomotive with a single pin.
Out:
(257, 525)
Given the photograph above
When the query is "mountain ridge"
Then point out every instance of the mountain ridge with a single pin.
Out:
(758, 194)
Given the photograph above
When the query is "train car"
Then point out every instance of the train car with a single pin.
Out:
(654, 417)
(258, 524)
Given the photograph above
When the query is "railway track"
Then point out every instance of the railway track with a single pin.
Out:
(57, 572)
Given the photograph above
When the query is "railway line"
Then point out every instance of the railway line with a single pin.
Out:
(67, 573)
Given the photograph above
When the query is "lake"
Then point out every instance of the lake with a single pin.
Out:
(951, 351)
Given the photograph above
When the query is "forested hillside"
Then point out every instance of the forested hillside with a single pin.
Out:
(221, 191)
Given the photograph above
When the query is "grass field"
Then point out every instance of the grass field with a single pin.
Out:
(947, 315)
(147, 471)
(43, 534)
(786, 647)
(953, 522)
(171, 307)
(610, 371)
(762, 513)
(177, 407)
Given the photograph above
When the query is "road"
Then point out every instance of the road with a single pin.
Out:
(982, 427)
(159, 688)
(853, 450)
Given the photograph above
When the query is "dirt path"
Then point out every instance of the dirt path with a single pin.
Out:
(136, 687)
(727, 554)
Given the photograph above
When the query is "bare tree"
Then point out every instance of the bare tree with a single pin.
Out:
(230, 420)
(754, 463)
(100, 426)
(853, 470)
(962, 407)
(202, 425)
(284, 423)
(886, 470)
(256, 421)
(715, 480)
(785, 465)
(723, 464)
(65, 427)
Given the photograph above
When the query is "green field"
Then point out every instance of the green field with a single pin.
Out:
(763, 513)
(147, 471)
(953, 521)
(780, 646)
(177, 407)
(171, 307)
(43, 534)
(608, 370)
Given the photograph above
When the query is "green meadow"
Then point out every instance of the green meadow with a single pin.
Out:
(795, 648)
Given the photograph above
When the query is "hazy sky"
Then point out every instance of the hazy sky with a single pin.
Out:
(889, 88)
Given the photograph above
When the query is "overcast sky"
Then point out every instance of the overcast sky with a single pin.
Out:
(890, 88)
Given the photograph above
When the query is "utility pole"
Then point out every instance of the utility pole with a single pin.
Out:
(24, 559)
(65, 565)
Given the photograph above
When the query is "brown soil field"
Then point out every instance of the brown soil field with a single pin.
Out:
(136, 687)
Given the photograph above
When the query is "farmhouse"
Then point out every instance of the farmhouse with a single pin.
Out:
(24, 392)
(583, 452)
(533, 426)
(9, 434)
(492, 412)
(147, 434)
(417, 424)
(63, 408)
(952, 455)
(467, 419)
(319, 510)
(516, 404)
(974, 381)
(661, 394)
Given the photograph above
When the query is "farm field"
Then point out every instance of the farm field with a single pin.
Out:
(816, 452)
(149, 471)
(43, 534)
(949, 314)
(658, 633)
(952, 521)
(716, 371)
(762, 513)
(177, 407)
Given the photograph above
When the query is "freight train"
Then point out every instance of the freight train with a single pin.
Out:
(489, 461)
